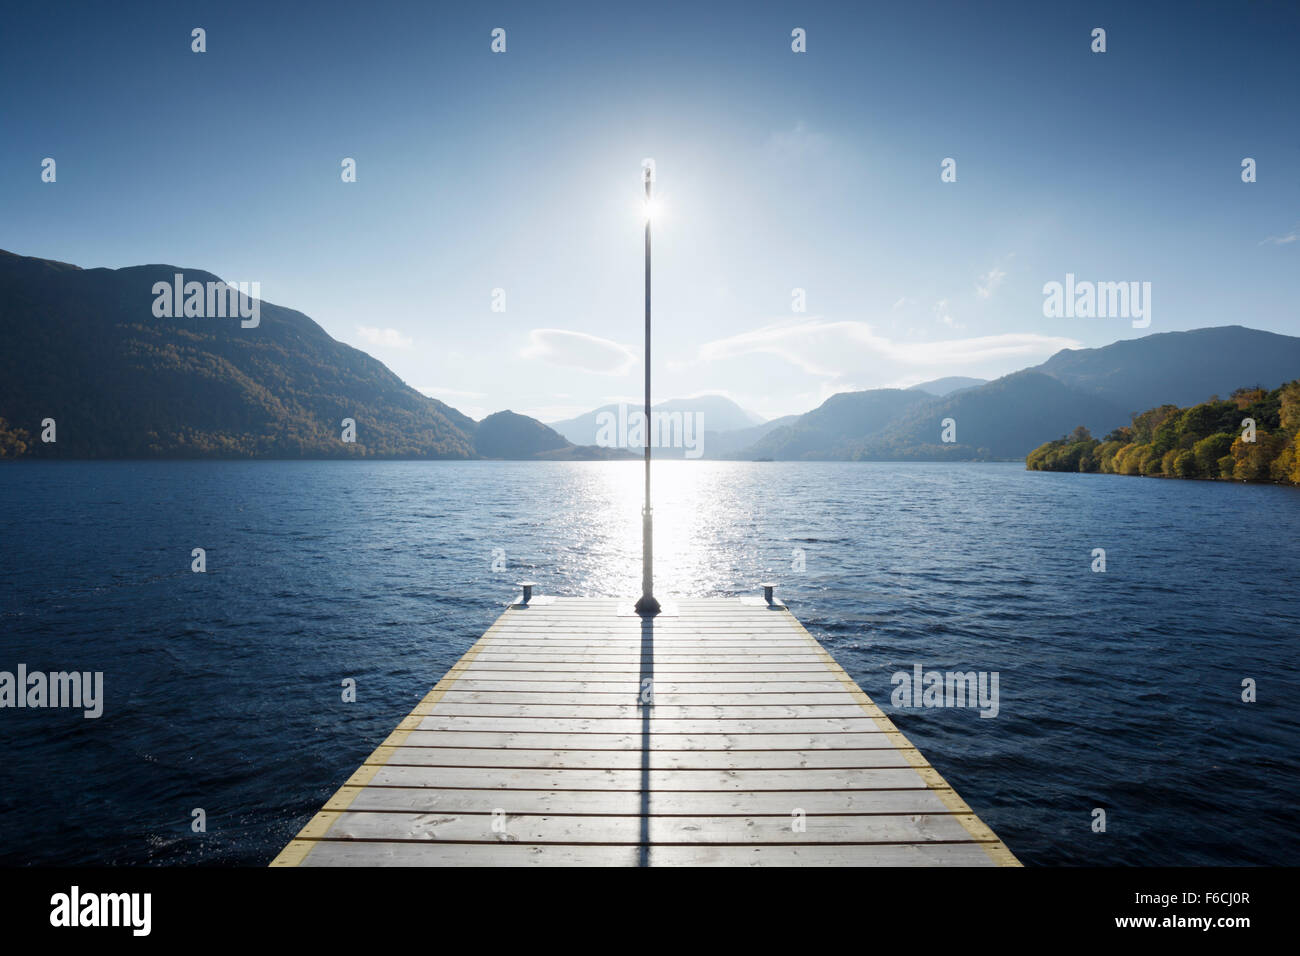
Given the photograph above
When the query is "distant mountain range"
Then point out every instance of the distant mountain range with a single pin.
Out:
(1006, 418)
(83, 347)
(717, 412)
(1099, 388)
(730, 431)
(721, 425)
(946, 386)
(834, 428)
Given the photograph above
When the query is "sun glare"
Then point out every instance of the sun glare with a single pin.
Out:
(687, 563)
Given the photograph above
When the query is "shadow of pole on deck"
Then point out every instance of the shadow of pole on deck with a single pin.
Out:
(645, 701)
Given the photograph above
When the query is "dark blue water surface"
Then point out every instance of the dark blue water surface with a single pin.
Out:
(1119, 690)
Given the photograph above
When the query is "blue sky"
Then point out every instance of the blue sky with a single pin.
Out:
(777, 170)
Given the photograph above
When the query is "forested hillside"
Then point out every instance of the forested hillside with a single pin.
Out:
(1250, 436)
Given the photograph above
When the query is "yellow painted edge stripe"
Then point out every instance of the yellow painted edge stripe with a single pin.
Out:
(297, 849)
(976, 827)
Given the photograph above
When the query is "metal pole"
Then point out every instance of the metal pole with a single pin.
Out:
(647, 604)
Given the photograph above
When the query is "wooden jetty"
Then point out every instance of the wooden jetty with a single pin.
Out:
(575, 732)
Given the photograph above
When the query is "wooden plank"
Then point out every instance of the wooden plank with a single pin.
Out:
(662, 698)
(659, 711)
(536, 748)
(379, 853)
(622, 802)
(909, 854)
(874, 739)
(794, 828)
(527, 778)
(741, 645)
(622, 682)
(857, 723)
(662, 687)
(650, 656)
(636, 759)
(813, 670)
(728, 660)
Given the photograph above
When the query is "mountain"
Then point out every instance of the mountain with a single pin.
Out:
(509, 435)
(713, 413)
(946, 386)
(728, 443)
(837, 425)
(1003, 419)
(1179, 367)
(1098, 388)
(513, 436)
(85, 348)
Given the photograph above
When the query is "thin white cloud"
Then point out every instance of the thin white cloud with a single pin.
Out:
(941, 310)
(384, 338)
(1290, 237)
(989, 282)
(836, 350)
(793, 341)
(798, 143)
(579, 350)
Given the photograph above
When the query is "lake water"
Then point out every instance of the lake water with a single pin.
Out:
(1119, 690)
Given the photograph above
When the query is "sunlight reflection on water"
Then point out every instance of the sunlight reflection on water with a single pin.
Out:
(1118, 689)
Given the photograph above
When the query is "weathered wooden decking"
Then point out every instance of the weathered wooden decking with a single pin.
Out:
(536, 748)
